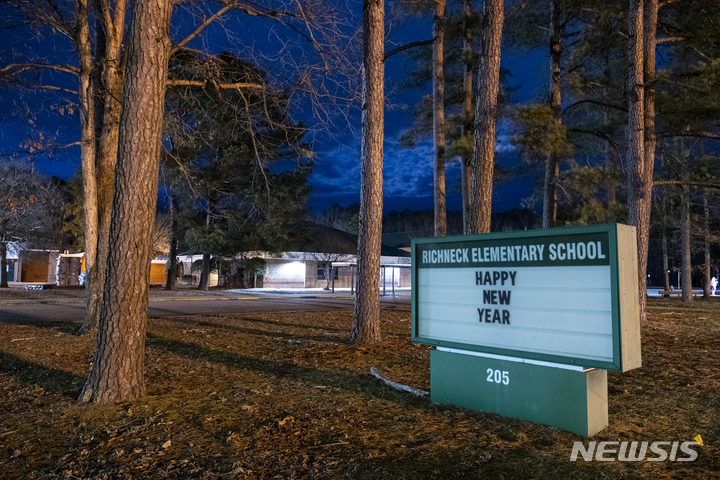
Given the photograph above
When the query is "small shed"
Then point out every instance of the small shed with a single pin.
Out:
(158, 272)
(37, 266)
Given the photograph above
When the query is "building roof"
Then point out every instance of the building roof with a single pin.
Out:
(399, 239)
(323, 239)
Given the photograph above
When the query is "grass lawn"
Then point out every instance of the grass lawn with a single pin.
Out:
(284, 396)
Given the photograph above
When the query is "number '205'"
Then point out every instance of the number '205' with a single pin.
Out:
(496, 376)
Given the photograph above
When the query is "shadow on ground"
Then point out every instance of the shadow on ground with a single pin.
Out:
(51, 380)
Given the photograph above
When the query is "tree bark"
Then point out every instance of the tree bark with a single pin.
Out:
(552, 162)
(97, 83)
(650, 43)
(204, 283)
(118, 367)
(638, 185)
(3, 265)
(87, 147)
(610, 168)
(172, 260)
(439, 118)
(609, 153)
(365, 327)
(485, 117)
(666, 265)
(706, 246)
(93, 288)
(106, 158)
(685, 245)
(467, 127)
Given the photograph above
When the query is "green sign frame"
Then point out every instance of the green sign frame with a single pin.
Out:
(622, 258)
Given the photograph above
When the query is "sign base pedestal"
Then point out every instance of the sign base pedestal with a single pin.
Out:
(571, 400)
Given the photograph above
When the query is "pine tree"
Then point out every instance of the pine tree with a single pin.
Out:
(485, 117)
(439, 118)
(117, 371)
(224, 142)
(365, 327)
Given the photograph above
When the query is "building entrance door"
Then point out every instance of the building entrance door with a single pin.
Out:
(11, 270)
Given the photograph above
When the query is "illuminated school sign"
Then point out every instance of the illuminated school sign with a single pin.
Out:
(566, 295)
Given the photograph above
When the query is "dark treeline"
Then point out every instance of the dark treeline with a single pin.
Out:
(420, 223)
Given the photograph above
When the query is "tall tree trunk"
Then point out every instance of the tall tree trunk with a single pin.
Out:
(3, 265)
(467, 127)
(485, 117)
(204, 283)
(552, 162)
(685, 245)
(610, 167)
(706, 246)
(97, 84)
(365, 327)
(666, 265)
(93, 288)
(118, 367)
(87, 147)
(106, 157)
(649, 45)
(638, 186)
(609, 153)
(439, 118)
(172, 268)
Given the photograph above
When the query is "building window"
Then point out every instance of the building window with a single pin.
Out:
(321, 272)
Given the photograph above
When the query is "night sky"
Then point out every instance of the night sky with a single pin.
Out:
(336, 174)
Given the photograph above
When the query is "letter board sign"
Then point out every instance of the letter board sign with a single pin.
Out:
(565, 295)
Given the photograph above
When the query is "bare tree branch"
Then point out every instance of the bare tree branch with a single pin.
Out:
(669, 39)
(601, 135)
(178, 82)
(18, 68)
(594, 102)
(408, 46)
(202, 26)
(687, 182)
(670, 134)
(44, 87)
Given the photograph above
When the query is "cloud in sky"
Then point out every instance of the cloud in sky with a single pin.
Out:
(407, 177)
(406, 173)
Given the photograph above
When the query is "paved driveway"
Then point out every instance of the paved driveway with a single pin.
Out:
(74, 310)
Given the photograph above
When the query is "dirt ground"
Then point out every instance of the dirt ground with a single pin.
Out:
(284, 396)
